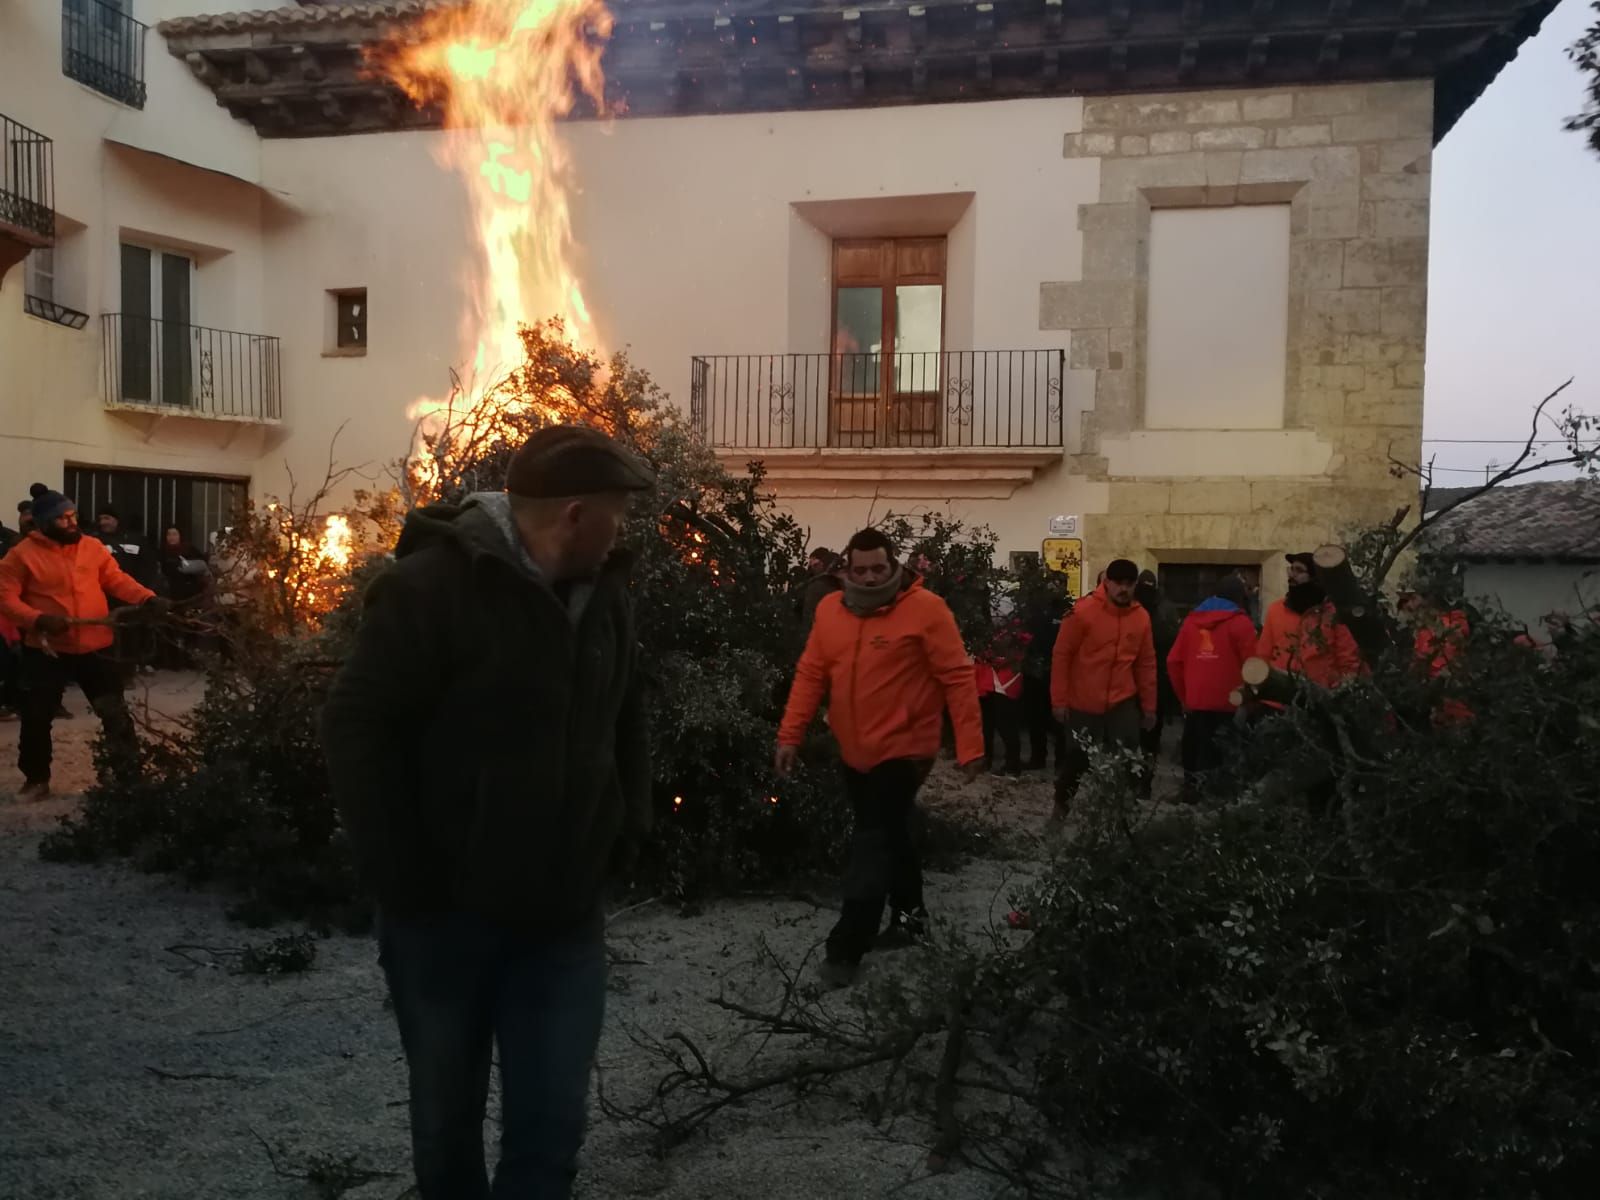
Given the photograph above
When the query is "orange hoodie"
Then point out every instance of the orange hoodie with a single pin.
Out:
(887, 677)
(1104, 654)
(1314, 644)
(39, 576)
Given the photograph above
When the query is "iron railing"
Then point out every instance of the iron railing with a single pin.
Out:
(49, 310)
(171, 365)
(27, 179)
(979, 399)
(102, 46)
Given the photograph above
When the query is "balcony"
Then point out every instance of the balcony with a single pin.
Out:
(935, 424)
(102, 47)
(27, 193)
(167, 369)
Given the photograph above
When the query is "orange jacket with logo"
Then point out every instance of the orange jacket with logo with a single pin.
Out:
(1313, 644)
(1104, 654)
(887, 678)
(41, 576)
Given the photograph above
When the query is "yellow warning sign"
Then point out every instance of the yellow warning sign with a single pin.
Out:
(1066, 555)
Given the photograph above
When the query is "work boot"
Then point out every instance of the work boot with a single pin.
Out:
(35, 789)
(835, 973)
(904, 929)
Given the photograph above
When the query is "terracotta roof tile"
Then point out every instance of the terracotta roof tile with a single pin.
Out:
(1559, 520)
(304, 17)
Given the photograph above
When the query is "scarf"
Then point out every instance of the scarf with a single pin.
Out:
(866, 599)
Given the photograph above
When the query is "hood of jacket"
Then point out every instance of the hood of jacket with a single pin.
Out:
(482, 526)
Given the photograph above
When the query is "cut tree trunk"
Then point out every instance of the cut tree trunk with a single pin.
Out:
(1357, 611)
(1268, 683)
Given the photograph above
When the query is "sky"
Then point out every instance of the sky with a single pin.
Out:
(1514, 277)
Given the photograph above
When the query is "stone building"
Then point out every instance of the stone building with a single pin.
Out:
(1156, 265)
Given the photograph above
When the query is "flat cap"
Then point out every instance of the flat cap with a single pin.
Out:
(574, 460)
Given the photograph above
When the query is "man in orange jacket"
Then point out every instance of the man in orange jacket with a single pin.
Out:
(1302, 633)
(1103, 674)
(51, 579)
(888, 657)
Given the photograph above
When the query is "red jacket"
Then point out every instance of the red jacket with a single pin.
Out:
(998, 677)
(39, 575)
(888, 677)
(1104, 654)
(1314, 644)
(1206, 659)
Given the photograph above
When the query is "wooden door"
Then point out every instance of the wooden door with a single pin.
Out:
(888, 323)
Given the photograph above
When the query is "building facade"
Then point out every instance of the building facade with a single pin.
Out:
(1153, 272)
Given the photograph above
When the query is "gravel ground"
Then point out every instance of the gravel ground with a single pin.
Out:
(99, 1017)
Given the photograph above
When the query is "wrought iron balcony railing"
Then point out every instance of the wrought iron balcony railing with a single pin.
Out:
(49, 310)
(976, 399)
(103, 48)
(173, 366)
(27, 180)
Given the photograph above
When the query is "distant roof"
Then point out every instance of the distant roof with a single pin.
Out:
(299, 71)
(1558, 521)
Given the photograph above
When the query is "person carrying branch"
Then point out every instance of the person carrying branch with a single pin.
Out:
(487, 748)
(887, 656)
(54, 585)
(1302, 633)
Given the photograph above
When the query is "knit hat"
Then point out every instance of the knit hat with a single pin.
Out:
(48, 505)
(1306, 560)
(573, 460)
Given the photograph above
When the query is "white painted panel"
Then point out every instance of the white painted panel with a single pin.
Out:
(1218, 318)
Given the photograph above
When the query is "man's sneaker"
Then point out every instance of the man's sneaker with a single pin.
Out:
(836, 973)
(904, 929)
(39, 790)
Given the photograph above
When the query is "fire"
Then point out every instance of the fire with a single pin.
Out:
(335, 548)
(504, 72)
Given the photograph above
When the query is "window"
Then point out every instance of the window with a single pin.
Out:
(39, 275)
(149, 501)
(157, 342)
(102, 47)
(349, 309)
(1218, 318)
(1186, 585)
(888, 334)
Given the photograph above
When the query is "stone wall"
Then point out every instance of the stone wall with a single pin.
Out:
(1353, 163)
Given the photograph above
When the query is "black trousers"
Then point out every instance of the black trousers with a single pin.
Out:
(1117, 727)
(44, 680)
(885, 863)
(10, 677)
(1201, 752)
(1002, 722)
(1044, 731)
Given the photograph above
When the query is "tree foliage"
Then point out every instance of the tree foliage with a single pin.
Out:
(1585, 52)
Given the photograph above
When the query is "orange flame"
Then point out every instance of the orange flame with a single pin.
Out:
(503, 72)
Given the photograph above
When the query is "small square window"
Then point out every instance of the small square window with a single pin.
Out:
(350, 320)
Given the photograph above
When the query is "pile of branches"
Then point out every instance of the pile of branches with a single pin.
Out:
(1372, 969)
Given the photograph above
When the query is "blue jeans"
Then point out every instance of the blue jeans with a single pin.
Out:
(462, 985)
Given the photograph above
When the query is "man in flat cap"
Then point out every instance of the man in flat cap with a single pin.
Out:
(488, 752)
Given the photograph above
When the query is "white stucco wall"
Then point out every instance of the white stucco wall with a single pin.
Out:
(700, 235)
(178, 174)
(1528, 591)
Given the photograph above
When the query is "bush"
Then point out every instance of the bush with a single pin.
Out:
(1375, 972)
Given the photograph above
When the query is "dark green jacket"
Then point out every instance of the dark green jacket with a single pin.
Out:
(485, 738)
